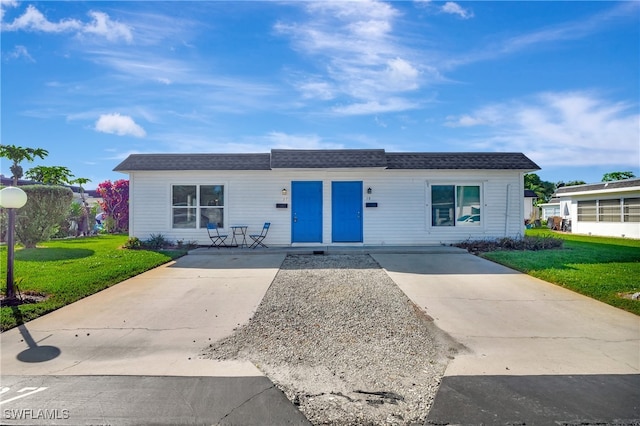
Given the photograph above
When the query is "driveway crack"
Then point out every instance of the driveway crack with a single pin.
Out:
(244, 403)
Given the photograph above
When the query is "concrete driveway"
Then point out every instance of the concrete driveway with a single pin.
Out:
(535, 352)
(129, 354)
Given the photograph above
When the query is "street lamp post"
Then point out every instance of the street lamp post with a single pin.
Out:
(11, 198)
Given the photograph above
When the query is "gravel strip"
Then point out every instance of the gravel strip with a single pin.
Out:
(343, 342)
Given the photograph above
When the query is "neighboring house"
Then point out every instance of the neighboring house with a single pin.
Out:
(550, 209)
(8, 181)
(606, 209)
(91, 196)
(530, 209)
(329, 197)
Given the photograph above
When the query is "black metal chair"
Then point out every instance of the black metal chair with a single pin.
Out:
(217, 239)
(258, 238)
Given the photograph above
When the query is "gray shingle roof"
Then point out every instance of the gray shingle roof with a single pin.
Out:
(327, 159)
(619, 184)
(195, 162)
(460, 161)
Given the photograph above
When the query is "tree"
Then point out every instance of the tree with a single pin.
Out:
(80, 182)
(40, 218)
(115, 203)
(19, 154)
(50, 175)
(570, 183)
(543, 189)
(610, 177)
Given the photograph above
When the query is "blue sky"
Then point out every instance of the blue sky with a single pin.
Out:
(93, 82)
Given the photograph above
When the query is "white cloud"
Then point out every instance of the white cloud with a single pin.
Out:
(355, 47)
(5, 4)
(281, 140)
(20, 51)
(375, 107)
(284, 140)
(145, 65)
(120, 125)
(34, 20)
(449, 7)
(101, 25)
(565, 128)
(455, 9)
(553, 34)
(402, 75)
(487, 115)
(316, 90)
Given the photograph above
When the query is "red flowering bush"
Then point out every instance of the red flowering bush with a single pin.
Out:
(115, 203)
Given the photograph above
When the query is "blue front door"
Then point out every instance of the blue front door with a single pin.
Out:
(306, 212)
(346, 212)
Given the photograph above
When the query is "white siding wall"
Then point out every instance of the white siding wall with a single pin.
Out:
(530, 209)
(401, 218)
(604, 229)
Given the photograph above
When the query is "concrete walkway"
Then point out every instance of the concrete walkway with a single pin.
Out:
(524, 338)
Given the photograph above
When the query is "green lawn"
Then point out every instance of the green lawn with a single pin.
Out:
(598, 267)
(68, 270)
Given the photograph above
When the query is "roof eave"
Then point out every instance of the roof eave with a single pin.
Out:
(599, 191)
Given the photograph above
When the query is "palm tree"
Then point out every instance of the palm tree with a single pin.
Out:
(18, 154)
(80, 181)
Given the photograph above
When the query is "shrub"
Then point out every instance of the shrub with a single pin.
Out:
(47, 207)
(157, 241)
(73, 215)
(133, 243)
(527, 243)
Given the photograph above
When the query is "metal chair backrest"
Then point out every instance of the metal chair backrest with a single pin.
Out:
(212, 227)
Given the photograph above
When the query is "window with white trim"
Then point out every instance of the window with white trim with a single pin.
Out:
(632, 209)
(455, 205)
(609, 211)
(587, 211)
(193, 206)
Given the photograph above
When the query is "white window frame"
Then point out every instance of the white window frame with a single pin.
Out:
(196, 205)
(630, 210)
(604, 216)
(592, 211)
(456, 184)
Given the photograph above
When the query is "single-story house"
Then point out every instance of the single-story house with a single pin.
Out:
(550, 209)
(607, 208)
(530, 209)
(329, 197)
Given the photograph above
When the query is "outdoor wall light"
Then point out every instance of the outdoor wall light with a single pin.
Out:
(284, 192)
(369, 190)
(11, 198)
